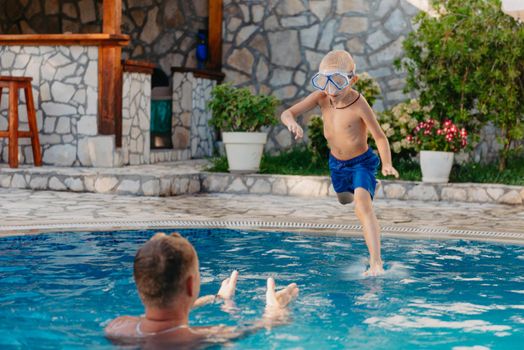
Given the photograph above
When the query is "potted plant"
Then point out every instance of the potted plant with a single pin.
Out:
(437, 143)
(240, 115)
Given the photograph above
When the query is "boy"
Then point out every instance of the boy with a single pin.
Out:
(168, 282)
(347, 118)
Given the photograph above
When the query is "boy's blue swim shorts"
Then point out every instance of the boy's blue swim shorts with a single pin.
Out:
(346, 175)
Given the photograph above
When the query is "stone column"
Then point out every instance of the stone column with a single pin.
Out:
(190, 128)
(136, 118)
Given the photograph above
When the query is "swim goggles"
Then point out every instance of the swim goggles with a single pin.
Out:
(338, 80)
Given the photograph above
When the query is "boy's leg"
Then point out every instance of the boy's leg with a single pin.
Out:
(368, 219)
(345, 197)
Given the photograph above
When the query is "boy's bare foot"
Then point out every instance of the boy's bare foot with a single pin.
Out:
(375, 269)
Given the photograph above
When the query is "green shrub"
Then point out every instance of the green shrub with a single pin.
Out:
(237, 109)
(317, 142)
(368, 87)
(468, 64)
(318, 145)
(295, 161)
(300, 161)
(398, 122)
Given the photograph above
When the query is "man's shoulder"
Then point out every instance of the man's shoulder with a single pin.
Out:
(121, 326)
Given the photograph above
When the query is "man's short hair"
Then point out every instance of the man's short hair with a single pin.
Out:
(160, 268)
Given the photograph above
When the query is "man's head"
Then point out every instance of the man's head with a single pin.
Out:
(165, 268)
(336, 73)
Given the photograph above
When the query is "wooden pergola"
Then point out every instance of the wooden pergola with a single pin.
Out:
(110, 66)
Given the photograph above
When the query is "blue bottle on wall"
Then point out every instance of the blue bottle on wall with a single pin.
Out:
(201, 49)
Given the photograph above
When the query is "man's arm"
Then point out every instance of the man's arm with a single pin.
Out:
(380, 139)
(226, 291)
(275, 314)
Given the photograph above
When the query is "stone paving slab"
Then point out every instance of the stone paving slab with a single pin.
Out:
(187, 177)
(21, 208)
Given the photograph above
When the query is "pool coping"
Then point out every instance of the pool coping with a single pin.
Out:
(332, 229)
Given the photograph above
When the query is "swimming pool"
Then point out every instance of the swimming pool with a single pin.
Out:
(64, 288)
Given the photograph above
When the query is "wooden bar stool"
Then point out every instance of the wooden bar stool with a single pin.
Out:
(12, 133)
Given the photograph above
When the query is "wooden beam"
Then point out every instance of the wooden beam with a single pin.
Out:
(112, 16)
(215, 35)
(97, 39)
(110, 75)
(109, 90)
(134, 66)
(201, 73)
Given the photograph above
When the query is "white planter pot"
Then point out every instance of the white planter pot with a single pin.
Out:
(435, 165)
(244, 150)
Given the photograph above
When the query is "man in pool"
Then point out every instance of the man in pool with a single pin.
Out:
(166, 273)
(347, 118)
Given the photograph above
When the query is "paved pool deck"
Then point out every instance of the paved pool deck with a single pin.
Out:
(29, 212)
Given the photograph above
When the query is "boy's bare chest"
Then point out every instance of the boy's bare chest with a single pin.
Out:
(339, 120)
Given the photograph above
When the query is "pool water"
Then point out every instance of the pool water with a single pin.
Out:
(60, 290)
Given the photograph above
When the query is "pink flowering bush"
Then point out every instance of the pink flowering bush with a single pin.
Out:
(431, 135)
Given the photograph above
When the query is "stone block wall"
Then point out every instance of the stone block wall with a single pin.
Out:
(202, 136)
(272, 46)
(275, 47)
(65, 89)
(190, 129)
(162, 31)
(136, 118)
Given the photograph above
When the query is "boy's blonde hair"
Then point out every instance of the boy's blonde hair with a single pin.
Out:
(337, 60)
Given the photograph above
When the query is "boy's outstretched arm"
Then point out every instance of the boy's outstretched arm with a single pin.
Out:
(380, 139)
(288, 117)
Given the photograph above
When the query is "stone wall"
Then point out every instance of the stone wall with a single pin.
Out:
(276, 46)
(190, 127)
(202, 136)
(272, 46)
(136, 118)
(65, 89)
(162, 31)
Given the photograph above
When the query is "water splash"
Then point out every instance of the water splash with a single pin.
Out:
(392, 271)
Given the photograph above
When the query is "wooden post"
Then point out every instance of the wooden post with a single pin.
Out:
(215, 35)
(110, 75)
